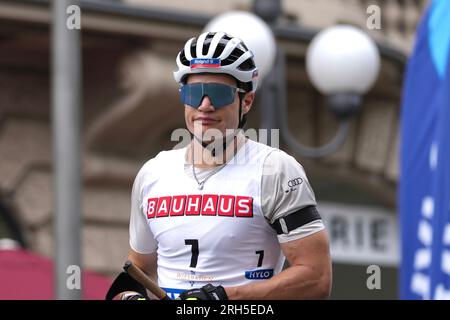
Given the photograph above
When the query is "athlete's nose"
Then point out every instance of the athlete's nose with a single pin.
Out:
(206, 105)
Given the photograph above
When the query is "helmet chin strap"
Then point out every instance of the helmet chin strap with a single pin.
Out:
(242, 118)
(214, 146)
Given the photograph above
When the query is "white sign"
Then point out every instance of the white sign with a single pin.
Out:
(361, 234)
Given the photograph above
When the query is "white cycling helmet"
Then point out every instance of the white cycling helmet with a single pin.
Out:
(217, 52)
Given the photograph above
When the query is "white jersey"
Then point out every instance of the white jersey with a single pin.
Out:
(220, 234)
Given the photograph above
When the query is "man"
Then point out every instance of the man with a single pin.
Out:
(216, 219)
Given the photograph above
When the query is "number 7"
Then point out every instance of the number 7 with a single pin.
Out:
(194, 250)
(261, 257)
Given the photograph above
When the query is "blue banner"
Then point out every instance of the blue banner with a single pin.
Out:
(424, 188)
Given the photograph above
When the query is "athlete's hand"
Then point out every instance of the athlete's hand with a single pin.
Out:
(208, 292)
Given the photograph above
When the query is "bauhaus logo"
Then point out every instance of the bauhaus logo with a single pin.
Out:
(200, 205)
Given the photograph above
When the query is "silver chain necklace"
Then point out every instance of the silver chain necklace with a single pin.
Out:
(202, 183)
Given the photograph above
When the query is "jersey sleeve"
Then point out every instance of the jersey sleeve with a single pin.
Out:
(285, 190)
(141, 236)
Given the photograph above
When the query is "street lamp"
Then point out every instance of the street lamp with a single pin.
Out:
(343, 63)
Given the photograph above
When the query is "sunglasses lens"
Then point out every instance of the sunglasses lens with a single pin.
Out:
(192, 94)
(220, 94)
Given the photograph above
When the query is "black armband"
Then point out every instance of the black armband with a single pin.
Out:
(124, 282)
(295, 219)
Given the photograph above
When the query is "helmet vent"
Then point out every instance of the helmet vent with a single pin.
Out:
(207, 43)
(234, 55)
(218, 51)
(183, 59)
(193, 50)
(247, 65)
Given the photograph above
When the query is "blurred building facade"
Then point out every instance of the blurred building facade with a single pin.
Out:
(130, 109)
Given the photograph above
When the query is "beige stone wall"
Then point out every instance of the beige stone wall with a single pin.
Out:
(398, 18)
(196, 6)
(27, 184)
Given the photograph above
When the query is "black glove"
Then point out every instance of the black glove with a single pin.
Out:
(207, 292)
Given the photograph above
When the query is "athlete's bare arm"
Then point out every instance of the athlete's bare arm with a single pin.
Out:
(145, 262)
(307, 277)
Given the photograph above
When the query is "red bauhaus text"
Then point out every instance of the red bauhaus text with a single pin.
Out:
(200, 205)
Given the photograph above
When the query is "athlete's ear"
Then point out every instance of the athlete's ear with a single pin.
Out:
(248, 102)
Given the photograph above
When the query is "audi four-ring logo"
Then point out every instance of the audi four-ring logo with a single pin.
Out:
(295, 182)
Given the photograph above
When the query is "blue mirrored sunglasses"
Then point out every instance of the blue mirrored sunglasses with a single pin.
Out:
(220, 94)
